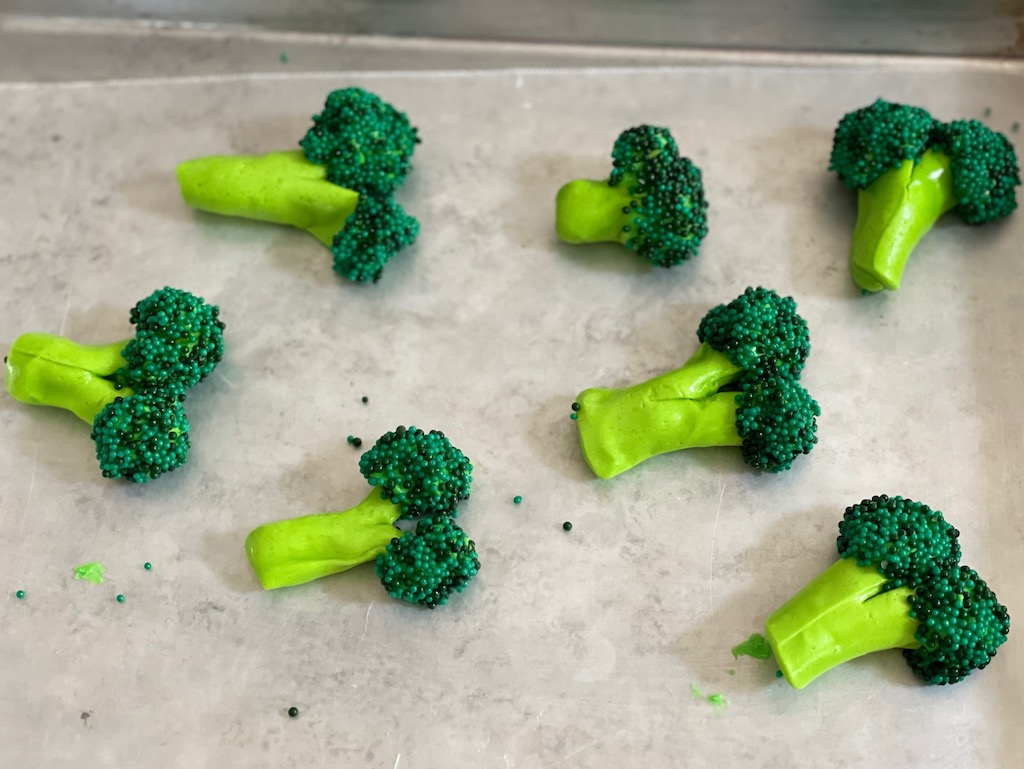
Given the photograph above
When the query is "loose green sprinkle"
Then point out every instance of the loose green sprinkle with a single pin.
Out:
(293, 712)
(120, 598)
(365, 399)
(20, 594)
(572, 415)
(284, 58)
(756, 646)
(90, 572)
(778, 674)
(575, 406)
(147, 566)
(517, 499)
(356, 442)
(567, 526)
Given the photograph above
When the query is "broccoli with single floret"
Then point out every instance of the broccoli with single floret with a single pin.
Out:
(130, 391)
(415, 475)
(738, 389)
(338, 187)
(909, 169)
(653, 203)
(897, 585)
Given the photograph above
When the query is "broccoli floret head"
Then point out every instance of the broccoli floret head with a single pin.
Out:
(961, 625)
(365, 143)
(427, 565)
(905, 540)
(759, 331)
(178, 342)
(871, 141)
(376, 231)
(141, 436)
(776, 418)
(420, 472)
(667, 212)
(985, 172)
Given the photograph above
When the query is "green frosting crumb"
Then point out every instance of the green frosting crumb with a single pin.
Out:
(731, 671)
(756, 646)
(90, 572)
(718, 701)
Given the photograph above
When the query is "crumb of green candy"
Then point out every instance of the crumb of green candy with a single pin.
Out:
(756, 646)
(718, 701)
(90, 572)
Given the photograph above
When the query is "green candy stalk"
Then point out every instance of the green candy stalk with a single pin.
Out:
(300, 550)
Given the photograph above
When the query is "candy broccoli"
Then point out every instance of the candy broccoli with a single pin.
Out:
(909, 169)
(771, 419)
(338, 187)
(738, 389)
(897, 585)
(414, 475)
(130, 392)
(653, 203)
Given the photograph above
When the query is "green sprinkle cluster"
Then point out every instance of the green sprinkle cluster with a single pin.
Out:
(420, 472)
(906, 540)
(141, 437)
(427, 565)
(776, 418)
(178, 342)
(666, 218)
(874, 140)
(365, 143)
(961, 624)
(870, 141)
(985, 173)
(759, 331)
(376, 231)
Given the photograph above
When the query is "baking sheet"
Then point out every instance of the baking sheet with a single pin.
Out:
(571, 649)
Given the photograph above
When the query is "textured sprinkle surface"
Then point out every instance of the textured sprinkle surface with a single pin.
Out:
(574, 652)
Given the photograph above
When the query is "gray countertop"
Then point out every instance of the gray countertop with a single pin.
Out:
(570, 649)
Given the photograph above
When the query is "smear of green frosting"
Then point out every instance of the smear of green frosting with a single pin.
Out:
(756, 646)
(718, 701)
(90, 572)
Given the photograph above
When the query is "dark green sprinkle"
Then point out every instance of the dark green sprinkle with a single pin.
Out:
(365, 399)
(517, 499)
(120, 598)
(147, 566)
(567, 526)
(572, 415)
(284, 58)
(350, 439)
(778, 674)
(357, 442)
(20, 594)
(293, 712)
(575, 406)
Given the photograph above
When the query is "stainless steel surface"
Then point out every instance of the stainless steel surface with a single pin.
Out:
(571, 650)
(964, 27)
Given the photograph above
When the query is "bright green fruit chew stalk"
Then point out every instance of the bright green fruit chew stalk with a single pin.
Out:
(772, 419)
(653, 202)
(338, 187)
(131, 391)
(897, 585)
(415, 474)
(909, 169)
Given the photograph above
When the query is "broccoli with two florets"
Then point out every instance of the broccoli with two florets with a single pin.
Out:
(739, 389)
(130, 392)
(909, 169)
(897, 584)
(415, 475)
(338, 187)
(653, 202)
